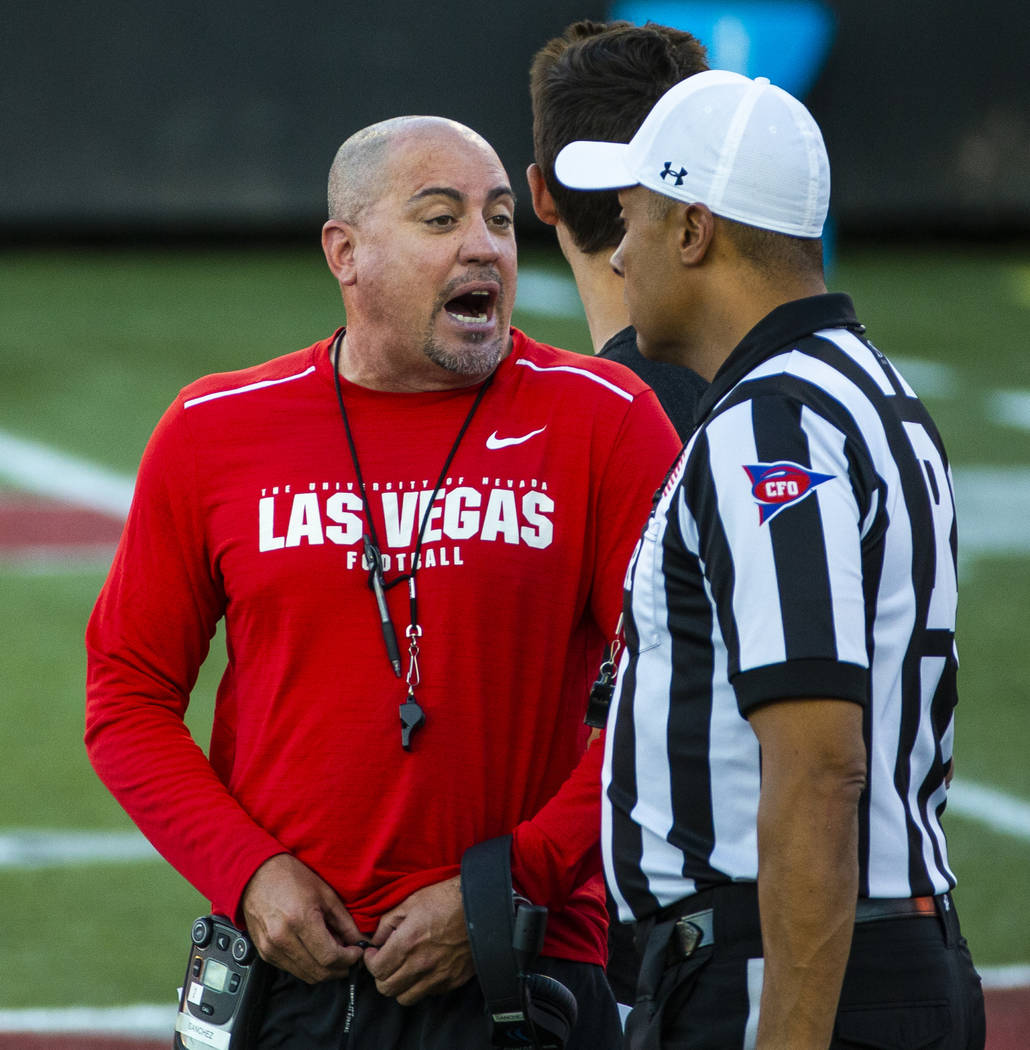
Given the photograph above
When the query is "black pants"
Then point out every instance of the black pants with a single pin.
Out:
(352, 1015)
(623, 957)
(909, 983)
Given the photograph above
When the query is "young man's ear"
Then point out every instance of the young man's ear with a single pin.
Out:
(543, 202)
(338, 245)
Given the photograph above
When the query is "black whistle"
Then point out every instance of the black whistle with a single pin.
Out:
(600, 698)
(412, 718)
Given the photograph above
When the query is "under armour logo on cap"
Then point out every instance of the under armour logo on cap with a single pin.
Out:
(678, 176)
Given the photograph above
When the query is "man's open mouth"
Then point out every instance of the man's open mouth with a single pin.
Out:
(475, 306)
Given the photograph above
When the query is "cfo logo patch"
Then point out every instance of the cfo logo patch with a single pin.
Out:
(776, 486)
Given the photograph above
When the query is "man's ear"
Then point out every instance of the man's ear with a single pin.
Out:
(543, 202)
(338, 245)
(695, 228)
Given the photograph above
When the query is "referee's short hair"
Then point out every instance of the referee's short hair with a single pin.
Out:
(598, 80)
(774, 253)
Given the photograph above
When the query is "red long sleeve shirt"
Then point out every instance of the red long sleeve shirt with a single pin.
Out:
(247, 507)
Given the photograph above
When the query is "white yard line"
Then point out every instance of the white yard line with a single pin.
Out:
(1010, 407)
(997, 810)
(143, 1020)
(30, 849)
(1004, 977)
(41, 469)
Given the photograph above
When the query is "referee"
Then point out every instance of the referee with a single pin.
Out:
(779, 746)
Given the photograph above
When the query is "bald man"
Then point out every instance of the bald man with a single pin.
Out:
(416, 532)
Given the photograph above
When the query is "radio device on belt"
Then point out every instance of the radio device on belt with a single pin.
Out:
(219, 1005)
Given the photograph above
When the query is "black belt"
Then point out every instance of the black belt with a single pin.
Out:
(694, 926)
(873, 909)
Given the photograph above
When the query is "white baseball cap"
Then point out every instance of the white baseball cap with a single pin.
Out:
(745, 148)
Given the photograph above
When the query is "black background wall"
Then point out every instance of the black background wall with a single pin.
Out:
(222, 117)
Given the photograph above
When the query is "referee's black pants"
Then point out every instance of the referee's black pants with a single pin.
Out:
(351, 1015)
(909, 983)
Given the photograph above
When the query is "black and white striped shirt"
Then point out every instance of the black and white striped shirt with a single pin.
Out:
(804, 545)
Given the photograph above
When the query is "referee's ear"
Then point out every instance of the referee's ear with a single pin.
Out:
(338, 245)
(695, 228)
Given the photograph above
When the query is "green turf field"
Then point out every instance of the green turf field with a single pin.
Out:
(93, 346)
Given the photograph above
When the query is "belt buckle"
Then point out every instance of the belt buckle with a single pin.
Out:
(689, 933)
(686, 937)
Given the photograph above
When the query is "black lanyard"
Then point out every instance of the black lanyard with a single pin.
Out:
(412, 715)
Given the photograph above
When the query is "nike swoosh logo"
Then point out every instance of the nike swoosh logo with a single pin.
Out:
(494, 442)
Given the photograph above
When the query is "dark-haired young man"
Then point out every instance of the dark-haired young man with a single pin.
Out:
(598, 80)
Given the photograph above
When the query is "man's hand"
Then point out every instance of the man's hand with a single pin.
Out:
(297, 921)
(421, 947)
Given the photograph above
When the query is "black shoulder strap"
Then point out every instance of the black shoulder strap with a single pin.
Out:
(490, 919)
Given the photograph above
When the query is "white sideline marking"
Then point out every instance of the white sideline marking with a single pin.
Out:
(42, 469)
(1010, 408)
(999, 811)
(1000, 978)
(148, 1021)
(34, 848)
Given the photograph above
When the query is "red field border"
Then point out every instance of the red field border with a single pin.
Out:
(34, 529)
